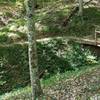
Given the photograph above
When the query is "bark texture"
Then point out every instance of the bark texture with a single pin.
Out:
(80, 7)
(32, 50)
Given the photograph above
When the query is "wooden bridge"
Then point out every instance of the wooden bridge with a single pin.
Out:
(95, 41)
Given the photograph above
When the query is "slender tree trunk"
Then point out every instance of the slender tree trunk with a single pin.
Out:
(32, 50)
(80, 7)
(99, 3)
(35, 2)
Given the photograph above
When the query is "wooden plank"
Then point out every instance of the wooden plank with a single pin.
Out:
(76, 39)
(86, 41)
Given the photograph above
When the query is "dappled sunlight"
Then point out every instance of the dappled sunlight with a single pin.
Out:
(54, 45)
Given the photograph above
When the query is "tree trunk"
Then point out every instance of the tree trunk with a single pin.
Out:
(99, 3)
(32, 50)
(80, 7)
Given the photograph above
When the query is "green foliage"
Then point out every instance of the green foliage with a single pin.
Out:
(49, 56)
(3, 38)
(49, 23)
(91, 17)
(53, 56)
(54, 19)
(25, 93)
(13, 64)
(7, 1)
(77, 56)
(22, 93)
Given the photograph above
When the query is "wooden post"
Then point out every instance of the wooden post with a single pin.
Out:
(95, 37)
(97, 32)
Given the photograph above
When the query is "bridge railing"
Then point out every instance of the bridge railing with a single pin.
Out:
(97, 32)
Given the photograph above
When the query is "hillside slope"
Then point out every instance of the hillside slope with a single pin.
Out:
(48, 22)
(82, 84)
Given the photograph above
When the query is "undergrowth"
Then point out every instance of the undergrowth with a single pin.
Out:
(25, 93)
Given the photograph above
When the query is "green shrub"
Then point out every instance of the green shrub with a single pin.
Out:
(49, 59)
(54, 56)
(78, 56)
(14, 71)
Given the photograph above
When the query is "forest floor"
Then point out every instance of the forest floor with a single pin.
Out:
(48, 23)
(57, 86)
